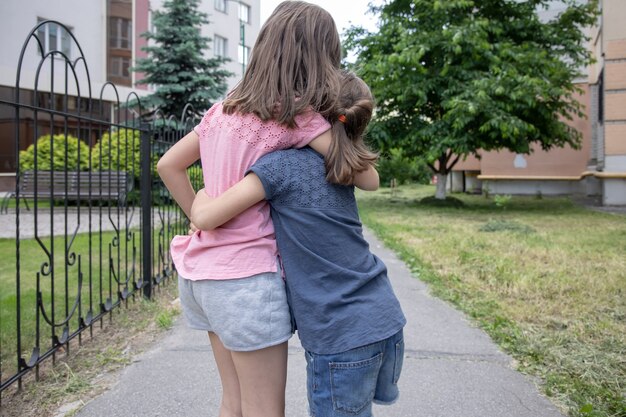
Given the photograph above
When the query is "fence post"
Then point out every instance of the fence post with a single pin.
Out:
(146, 208)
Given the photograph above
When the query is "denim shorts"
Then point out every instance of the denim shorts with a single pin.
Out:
(347, 383)
(246, 314)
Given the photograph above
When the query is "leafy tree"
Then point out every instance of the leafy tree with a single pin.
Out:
(453, 77)
(176, 64)
(393, 165)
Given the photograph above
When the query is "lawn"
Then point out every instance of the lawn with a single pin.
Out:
(543, 276)
(99, 284)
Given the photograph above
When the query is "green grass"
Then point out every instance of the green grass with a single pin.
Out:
(97, 280)
(544, 277)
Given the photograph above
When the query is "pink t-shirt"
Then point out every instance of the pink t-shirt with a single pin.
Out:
(229, 146)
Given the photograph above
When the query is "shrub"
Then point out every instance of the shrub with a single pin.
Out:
(118, 151)
(195, 176)
(77, 154)
(395, 165)
(502, 201)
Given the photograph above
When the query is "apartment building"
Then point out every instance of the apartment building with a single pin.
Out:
(598, 168)
(103, 38)
(233, 28)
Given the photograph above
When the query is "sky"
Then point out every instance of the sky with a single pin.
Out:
(345, 12)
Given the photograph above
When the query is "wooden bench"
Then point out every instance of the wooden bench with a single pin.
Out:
(72, 186)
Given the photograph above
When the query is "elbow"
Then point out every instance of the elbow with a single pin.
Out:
(161, 166)
(166, 165)
(369, 183)
(370, 187)
(202, 224)
(201, 220)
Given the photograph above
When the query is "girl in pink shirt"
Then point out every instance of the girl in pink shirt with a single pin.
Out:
(229, 279)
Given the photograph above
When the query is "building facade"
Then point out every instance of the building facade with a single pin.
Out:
(104, 38)
(233, 28)
(598, 168)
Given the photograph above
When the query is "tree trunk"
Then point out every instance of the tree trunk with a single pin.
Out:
(441, 186)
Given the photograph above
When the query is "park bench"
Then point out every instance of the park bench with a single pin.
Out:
(72, 186)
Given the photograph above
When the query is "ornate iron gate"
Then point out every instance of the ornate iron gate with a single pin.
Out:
(88, 224)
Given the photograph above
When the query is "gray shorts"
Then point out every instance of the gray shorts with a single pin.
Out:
(246, 314)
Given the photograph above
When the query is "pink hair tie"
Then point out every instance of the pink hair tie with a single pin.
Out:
(342, 118)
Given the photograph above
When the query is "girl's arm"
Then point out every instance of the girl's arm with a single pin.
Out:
(172, 168)
(207, 213)
(367, 180)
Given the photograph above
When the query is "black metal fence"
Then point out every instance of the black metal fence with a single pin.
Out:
(88, 225)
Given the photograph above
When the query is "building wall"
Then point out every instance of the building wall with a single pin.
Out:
(227, 25)
(141, 18)
(558, 162)
(614, 48)
(120, 9)
(87, 21)
(599, 166)
(17, 18)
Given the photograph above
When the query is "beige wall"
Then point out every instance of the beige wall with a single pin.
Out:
(471, 163)
(559, 162)
(615, 78)
(613, 15)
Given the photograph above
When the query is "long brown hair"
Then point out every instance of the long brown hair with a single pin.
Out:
(293, 66)
(348, 154)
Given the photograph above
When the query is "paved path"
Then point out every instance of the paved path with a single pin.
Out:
(76, 220)
(451, 369)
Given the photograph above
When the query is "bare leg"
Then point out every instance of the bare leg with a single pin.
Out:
(231, 395)
(262, 379)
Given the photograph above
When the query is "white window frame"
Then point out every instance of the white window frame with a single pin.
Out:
(221, 6)
(49, 35)
(243, 54)
(117, 67)
(220, 46)
(116, 32)
(244, 12)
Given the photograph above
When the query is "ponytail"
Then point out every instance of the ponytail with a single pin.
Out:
(348, 155)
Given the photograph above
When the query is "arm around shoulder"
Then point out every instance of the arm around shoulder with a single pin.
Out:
(208, 213)
(367, 180)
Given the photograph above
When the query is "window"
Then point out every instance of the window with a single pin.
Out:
(601, 97)
(220, 46)
(120, 67)
(220, 5)
(120, 33)
(54, 38)
(244, 12)
(244, 53)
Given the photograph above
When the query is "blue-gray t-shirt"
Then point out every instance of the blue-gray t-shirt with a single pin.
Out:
(338, 291)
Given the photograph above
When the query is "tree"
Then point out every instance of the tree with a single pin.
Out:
(176, 64)
(452, 77)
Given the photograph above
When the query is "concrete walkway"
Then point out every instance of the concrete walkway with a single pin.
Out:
(451, 369)
(75, 220)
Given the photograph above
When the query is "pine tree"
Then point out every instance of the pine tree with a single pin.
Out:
(176, 64)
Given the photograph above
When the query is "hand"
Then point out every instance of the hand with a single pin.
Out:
(201, 199)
